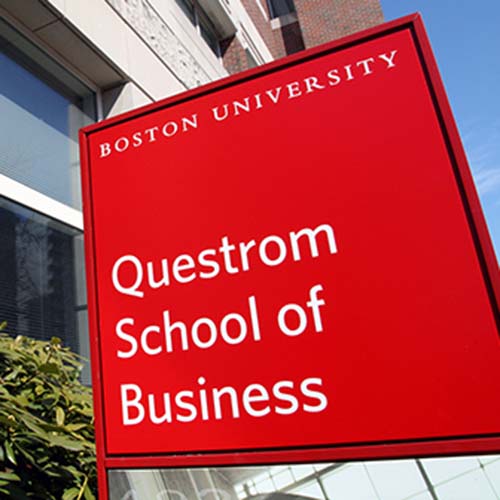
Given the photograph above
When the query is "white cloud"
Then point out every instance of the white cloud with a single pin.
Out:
(481, 141)
(487, 180)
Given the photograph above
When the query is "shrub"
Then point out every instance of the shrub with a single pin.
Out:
(46, 423)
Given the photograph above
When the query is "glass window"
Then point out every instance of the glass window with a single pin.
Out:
(202, 23)
(264, 485)
(442, 469)
(42, 107)
(421, 496)
(301, 471)
(279, 8)
(470, 485)
(251, 61)
(351, 481)
(41, 276)
(410, 480)
(374, 480)
(310, 490)
(492, 471)
(187, 7)
(209, 34)
(283, 478)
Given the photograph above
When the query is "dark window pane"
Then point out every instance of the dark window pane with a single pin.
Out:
(281, 7)
(38, 277)
(209, 34)
(251, 62)
(188, 8)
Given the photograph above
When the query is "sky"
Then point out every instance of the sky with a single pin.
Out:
(465, 37)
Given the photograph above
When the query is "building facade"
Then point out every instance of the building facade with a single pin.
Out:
(67, 63)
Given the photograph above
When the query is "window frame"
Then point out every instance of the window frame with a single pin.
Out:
(14, 190)
(273, 14)
(200, 21)
(28, 197)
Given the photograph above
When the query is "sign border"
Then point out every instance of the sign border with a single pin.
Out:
(477, 225)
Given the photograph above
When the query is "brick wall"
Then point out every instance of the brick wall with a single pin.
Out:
(234, 56)
(325, 20)
(319, 21)
(281, 41)
(272, 39)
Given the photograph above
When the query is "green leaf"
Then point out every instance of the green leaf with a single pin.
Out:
(87, 493)
(49, 401)
(10, 452)
(32, 426)
(60, 416)
(88, 412)
(22, 400)
(66, 442)
(50, 368)
(13, 374)
(70, 494)
(9, 476)
(75, 427)
(74, 472)
(46, 423)
(56, 473)
(39, 389)
(27, 456)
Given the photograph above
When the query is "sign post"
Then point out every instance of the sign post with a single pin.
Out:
(292, 265)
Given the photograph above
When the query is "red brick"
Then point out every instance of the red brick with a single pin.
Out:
(318, 21)
(324, 20)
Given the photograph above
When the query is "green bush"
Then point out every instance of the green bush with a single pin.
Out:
(46, 423)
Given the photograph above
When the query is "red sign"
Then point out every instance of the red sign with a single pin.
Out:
(292, 258)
